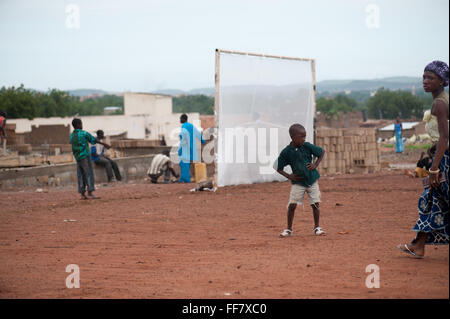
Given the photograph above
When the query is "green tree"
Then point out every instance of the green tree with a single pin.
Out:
(391, 104)
(193, 103)
(334, 106)
(18, 102)
(24, 103)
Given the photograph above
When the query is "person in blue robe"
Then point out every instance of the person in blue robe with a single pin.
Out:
(188, 148)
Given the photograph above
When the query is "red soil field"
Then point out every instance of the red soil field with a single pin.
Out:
(144, 240)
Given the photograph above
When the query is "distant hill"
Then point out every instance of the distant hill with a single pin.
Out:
(203, 91)
(169, 92)
(85, 92)
(332, 86)
(391, 83)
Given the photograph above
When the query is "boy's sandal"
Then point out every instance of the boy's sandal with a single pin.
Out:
(318, 231)
(286, 233)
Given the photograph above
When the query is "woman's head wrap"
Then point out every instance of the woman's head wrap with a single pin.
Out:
(440, 69)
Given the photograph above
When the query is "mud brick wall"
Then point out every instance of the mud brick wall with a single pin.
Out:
(352, 150)
(138, 147)
(206, 121)
(343, 120)
(48, 134)
(12, 137)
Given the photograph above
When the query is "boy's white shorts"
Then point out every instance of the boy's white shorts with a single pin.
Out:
(298, 192)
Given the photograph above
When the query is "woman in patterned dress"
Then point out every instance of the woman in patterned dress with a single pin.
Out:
(432, 226)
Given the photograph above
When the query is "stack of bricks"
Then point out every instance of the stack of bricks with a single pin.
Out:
(350, 150)
(16, 142)
(12, 137)
(135, 143)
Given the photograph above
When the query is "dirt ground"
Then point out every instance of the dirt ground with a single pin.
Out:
(161, 241)
(410, 156)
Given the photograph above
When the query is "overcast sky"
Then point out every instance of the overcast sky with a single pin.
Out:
(156, 44)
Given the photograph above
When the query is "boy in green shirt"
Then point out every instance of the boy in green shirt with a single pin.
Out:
(80, 149)
(304, 178)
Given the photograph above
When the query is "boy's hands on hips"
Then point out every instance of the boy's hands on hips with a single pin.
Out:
(295, 177)
(311, 166)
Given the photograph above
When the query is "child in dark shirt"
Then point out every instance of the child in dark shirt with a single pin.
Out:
(304, 178)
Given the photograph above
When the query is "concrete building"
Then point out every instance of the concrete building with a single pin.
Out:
(146, 116)
(111, 109)
(147, 104)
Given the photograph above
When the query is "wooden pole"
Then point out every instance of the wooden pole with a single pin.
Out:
(313, 71)
(216, 115)
(264, 55)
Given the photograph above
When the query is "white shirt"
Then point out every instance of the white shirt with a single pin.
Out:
(158, 163)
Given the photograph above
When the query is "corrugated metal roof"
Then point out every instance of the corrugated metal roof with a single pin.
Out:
(405, 126)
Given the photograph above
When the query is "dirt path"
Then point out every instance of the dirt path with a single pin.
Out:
(160, 241)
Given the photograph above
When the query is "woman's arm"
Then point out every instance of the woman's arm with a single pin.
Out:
(440, 111)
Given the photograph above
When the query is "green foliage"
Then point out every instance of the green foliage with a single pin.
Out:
(193, 103)
(24, 103)
(95, 106)
(18, 102)
(391, 104)
(334, 106)
(424, 147)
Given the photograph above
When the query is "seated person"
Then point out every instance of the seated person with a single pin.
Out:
(99, 158)
(423, 164)
(161, 165)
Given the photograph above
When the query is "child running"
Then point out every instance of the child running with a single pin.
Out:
(304, 178)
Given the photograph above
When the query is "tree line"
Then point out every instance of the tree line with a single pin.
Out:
(20, 102)
(384, 104)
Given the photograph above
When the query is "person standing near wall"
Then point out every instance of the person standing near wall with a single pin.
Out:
(80, 141)
(398, 136)
(3, 131)
(188, 150)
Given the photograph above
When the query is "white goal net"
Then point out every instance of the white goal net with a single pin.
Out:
(257, 99)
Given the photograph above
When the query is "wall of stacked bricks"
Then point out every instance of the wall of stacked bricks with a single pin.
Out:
(351, 150)
(48, 134)
(43, 139)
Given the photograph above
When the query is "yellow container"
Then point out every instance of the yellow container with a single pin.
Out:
(200, 172)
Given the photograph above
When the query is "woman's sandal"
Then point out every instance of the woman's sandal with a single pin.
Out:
(404, 248)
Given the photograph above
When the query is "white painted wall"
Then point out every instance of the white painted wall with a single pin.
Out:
(135, 125)
(147, 104)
